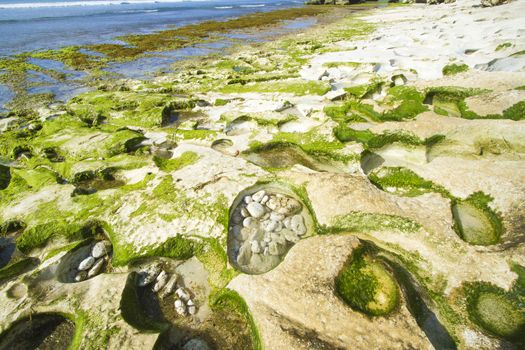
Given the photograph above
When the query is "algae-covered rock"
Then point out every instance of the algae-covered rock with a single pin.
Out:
(366, 285)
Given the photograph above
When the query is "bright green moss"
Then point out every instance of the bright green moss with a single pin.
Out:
(475, 221)
(496, 311)
(346, 134)
(515, 112)
(503, 46)
(342, 64)
(365, 90)
(365, 284)
(367, 222)
(16, 268)
(231, 301)
(169, 165)
(352, 29)
(452, 69)
(221, 102)
(295, 87)
(404, 181)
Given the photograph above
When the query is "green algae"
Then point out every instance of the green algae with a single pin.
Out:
(17, 268)
(496, 311)
(368, 222)
(404, 181)
(453, 69)
(503, 46)
(295, 87)
(475, 221)
(231, 301)
(169, 165)
(366, 285)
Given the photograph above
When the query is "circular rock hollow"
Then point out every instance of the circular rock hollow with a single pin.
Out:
(173, 297)
(265, 222)
(284, 155)
(85, 262)
(224, 146)
(42, 332)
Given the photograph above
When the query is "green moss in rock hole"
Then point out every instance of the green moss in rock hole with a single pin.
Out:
(367, 222)
(366, 285)
(295, 87)
(496, 311)
(404, 181)
(226, 299)
(169, 165)
(17, 268)
(475, 221)
(452, 69)
(503, 46)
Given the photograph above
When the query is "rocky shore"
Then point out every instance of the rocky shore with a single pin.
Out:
(360, 184)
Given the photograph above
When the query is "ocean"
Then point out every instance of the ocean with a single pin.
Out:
(27, 25)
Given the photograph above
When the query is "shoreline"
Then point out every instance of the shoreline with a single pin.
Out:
(391, 138)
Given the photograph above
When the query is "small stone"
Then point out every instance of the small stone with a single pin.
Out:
(180, 307)
(248, 199)
(290, 236)
(148, 275)
(249, 222)
(245, 254)
(170, 286)
(297, 224)
(95, 270)
(255, 247)
(196, 344)
(81, 276)
(192, 309)
(161, 281)
(244, 213)
(86, 264)
(237, 218)
(266, 251)
(266, 216)
(255, 209)
(264, 199)
(258, 196)
(246, 233)
(100, 249)
(276, 249)
(287, 222)
(276, 216)
(183, 293)
(272, 203)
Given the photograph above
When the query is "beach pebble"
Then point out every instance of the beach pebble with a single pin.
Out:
(255, 247)
(244, 213)
(249, 222)
(258, 196)
(245, 254)
(81, 276)
(290, 236)
(297, 224)
(192, 309)
(97, 267)
(148, 275)
(248, 199)
(276, 216)
(86, 264)
(183, 293)
(180, 307)
(161, 281)
(196, 344)
(264, 199)
(170, 287)
(100, 249)
(255, 209)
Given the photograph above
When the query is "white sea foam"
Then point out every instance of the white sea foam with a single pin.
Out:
(261, 5)
(223, 7)
(26, 5)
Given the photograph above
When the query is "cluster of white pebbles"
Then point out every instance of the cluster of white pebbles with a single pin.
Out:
(165, 284)
(263, 228)
(93, 263)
